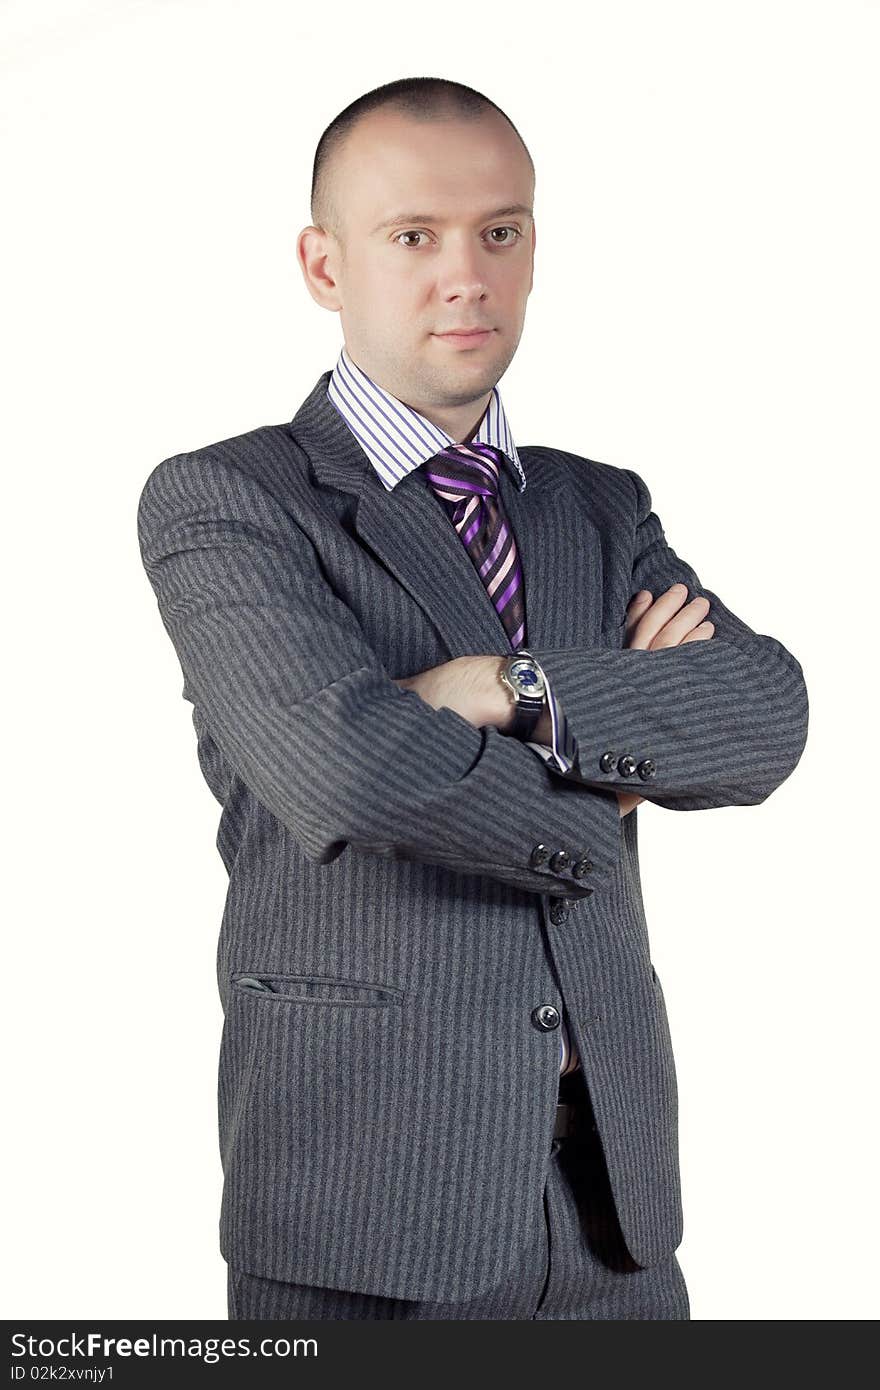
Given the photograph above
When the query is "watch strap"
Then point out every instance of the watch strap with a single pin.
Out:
(527, 708)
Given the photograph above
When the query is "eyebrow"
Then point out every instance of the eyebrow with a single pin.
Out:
(404, 217)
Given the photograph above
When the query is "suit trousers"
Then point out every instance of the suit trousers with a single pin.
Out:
(577, 1268)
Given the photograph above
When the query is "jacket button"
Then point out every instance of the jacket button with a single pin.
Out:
(606, 762)
(559, 912)
(581, 867)
(545, 1017)
(539, 855)
(560, 861)
(626, 765)
(647, 768)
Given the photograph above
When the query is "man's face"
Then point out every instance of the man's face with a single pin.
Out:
(457, 263)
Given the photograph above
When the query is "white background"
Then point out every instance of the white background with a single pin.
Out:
(706, 280)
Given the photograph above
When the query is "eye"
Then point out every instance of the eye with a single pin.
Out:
(510, 241)
(409, 233)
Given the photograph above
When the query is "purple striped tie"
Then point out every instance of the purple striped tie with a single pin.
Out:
(465, 478)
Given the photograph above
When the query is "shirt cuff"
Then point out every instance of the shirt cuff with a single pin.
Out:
(562, 753)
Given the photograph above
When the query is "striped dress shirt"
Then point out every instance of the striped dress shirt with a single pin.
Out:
(397, 440)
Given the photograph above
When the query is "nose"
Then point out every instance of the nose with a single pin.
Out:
(462, 271)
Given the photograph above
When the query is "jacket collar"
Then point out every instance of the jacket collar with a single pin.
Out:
(409, 530)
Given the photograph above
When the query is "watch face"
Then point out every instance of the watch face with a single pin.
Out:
(524, 676)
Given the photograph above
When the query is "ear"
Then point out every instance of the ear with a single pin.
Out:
(315, 251)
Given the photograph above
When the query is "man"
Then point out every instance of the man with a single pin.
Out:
(432, 674)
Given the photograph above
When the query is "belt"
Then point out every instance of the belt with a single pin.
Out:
(573, 1121)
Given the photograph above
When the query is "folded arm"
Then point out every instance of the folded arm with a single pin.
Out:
(300, 705)
(712, 723)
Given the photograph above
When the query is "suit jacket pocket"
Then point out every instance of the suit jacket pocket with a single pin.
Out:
(315, 989)
(309, 1066)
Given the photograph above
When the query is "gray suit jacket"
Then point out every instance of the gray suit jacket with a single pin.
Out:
(386, 1094)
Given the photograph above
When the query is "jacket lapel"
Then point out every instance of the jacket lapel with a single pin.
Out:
(410, 532)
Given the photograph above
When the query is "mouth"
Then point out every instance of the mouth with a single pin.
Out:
(468, 337)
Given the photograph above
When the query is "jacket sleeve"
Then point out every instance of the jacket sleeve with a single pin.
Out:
(300, 705)
(720, 722)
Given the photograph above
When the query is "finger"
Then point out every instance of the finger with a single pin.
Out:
(699, 634)
(637, 605)
(639, 602)
(655, 615)
(674, 631)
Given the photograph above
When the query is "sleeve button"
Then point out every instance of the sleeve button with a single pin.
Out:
(545, 1017)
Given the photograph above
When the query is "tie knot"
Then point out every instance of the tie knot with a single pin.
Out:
(462, 470)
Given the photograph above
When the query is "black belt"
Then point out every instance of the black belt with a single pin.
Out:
(574, 1120)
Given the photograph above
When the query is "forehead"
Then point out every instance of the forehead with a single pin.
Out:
(453, 169)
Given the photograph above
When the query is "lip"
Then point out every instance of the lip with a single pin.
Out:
(467, 338)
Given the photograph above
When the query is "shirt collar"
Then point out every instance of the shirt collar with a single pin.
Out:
(396, 438)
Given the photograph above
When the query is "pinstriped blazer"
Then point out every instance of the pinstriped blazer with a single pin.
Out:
(386, 1098)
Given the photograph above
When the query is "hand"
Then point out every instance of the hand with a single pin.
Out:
(627, 801)
(467, 684)
(655, 623)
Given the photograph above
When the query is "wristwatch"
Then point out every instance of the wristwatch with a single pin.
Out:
(522, 676)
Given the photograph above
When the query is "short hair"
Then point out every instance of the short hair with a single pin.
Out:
(422, 98)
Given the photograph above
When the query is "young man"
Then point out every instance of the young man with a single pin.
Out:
(432, 675)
